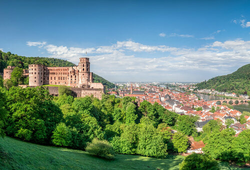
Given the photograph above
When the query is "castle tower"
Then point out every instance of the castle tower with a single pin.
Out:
(36, 75)
(84, 73)
(7, 72)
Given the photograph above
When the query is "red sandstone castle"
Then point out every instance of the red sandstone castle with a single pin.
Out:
(78, 77)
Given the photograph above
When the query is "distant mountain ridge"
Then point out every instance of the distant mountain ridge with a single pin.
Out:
(9, 59)
(237, 82)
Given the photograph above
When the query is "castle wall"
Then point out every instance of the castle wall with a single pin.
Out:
(78, 92)
(57, 76)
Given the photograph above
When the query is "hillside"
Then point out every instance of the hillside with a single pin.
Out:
(9, 59)
(238, 82)
(15, 154)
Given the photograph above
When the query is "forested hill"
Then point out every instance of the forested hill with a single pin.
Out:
(238, 82)
(9, 59)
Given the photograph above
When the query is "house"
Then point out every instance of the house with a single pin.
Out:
(238, 127)
(199, 125)
(195, 147)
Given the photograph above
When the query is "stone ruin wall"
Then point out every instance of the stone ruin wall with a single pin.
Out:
(79, 92)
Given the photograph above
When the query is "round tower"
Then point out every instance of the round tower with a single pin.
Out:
(84, 72)
(35, 75)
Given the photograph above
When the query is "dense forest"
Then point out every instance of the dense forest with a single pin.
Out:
(9, 59)
(237, 82)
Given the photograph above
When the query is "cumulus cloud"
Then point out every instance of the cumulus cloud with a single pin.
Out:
(115, 62)
(162, 35)
(1, 49)
(39, 44)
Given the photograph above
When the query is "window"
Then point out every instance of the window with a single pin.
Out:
(54, 78)
(35, 72)
(35, 80)
(35, 77)
(83, 65)
(82, 69)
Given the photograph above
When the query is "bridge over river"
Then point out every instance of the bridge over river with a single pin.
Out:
(231, 101)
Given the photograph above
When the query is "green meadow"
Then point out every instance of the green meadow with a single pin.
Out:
(16, 154)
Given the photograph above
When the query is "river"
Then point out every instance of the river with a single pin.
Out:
(241, 107)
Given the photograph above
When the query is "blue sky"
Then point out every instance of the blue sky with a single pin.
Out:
(133, 40)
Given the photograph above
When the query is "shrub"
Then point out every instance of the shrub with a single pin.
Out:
(199, 161)
(100, 148)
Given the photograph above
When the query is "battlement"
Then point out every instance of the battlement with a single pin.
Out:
(84, 59)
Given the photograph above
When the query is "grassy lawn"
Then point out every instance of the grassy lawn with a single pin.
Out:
(51, 85)
(15, 154)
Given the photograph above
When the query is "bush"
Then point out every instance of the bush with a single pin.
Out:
(198, 161)
(100, 148)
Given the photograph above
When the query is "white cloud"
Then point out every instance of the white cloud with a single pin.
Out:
(242, 23)
(248, 24)
(235, 21)
(208, 38)
(1, 49)
(114, 63)
(162, 34)
(39, 44)
(181, 35)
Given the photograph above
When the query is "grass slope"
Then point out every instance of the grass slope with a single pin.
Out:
(16, 154)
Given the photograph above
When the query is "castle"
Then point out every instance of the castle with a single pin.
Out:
(79, 78)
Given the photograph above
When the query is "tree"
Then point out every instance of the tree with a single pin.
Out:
(7, 83)
(64, 90)
(131, 113)
(180, 142)
(213, 109)
(127, 143)
(169, 117)
(3, 113)
(150, 142)
(229, 122)
(1, 81)
(242, 119)
(186, 124)
(212, 126)
(199, 161)
(219, 145)
(17, 76)
(61, 135)
(241, 145)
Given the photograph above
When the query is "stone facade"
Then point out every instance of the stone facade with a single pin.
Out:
(79, 78)
(7, 72)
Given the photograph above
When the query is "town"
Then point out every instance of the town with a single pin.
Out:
(189, 103)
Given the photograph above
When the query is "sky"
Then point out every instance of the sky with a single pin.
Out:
(133, 40)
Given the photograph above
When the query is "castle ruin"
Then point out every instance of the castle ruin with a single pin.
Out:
(79, 78)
